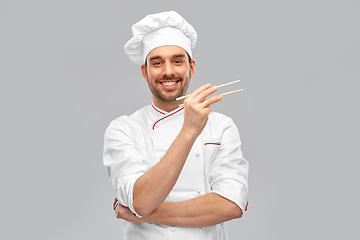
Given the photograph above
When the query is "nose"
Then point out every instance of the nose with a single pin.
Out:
(168, 70)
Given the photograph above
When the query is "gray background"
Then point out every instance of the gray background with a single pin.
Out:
(64, 77)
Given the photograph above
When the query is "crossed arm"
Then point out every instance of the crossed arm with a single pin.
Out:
(206, 210)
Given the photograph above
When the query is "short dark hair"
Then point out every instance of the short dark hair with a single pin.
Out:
(185, 51)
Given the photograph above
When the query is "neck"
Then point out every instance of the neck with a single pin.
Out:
(167, 106)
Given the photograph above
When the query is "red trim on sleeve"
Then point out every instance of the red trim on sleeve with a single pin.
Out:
(212, 144)
(167, 116)
(246, 205)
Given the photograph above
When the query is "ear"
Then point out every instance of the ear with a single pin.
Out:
(192, 68)
(144, 72)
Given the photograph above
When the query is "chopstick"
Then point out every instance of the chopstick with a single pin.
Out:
(223, 94)
(222, 85)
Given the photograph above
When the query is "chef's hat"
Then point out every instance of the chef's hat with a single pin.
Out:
(160, 29)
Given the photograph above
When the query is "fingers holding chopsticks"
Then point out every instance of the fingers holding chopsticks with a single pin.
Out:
(199, 93)
(222, 85)
(209, 101)
(197, 108)
(200, 96)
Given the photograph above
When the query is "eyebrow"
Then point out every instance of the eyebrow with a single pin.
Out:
(153, 58)
(179, 56)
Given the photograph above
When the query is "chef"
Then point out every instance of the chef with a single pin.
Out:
(178, 172)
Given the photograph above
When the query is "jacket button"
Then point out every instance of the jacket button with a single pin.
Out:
(200, 229)
(173, 229)
(199, 191)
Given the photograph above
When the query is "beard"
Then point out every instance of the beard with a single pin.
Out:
(168, 95)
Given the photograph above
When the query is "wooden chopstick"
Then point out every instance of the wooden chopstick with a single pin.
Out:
(225, 84)
(223, 94)
(222, 85)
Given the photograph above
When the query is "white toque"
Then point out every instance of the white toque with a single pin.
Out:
(160, 29)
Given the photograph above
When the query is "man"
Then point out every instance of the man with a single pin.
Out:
(178, 172)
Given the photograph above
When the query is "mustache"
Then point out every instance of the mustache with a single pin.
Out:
(167, 78)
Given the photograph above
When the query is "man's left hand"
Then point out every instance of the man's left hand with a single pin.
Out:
(123, 212)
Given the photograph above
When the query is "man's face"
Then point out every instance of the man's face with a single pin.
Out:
(168, 73)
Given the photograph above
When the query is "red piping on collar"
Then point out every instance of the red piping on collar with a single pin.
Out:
(167, 116)
(157, 110)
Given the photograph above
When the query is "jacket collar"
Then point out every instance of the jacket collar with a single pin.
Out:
(162, 115)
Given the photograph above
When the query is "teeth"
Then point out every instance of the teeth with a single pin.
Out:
(168, 83)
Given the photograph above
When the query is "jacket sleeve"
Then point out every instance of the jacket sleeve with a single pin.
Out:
(123, 161)
(228, 176)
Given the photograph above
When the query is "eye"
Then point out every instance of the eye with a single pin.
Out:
(156, 63)
(178, 61)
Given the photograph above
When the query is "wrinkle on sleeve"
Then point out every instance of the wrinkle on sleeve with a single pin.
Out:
(229, 171)
(123, 161)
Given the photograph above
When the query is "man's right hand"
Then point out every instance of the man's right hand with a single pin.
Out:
(197, 108)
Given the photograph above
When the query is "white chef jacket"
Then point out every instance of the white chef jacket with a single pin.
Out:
(134, 144)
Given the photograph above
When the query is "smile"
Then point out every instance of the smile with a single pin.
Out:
(168, 83)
